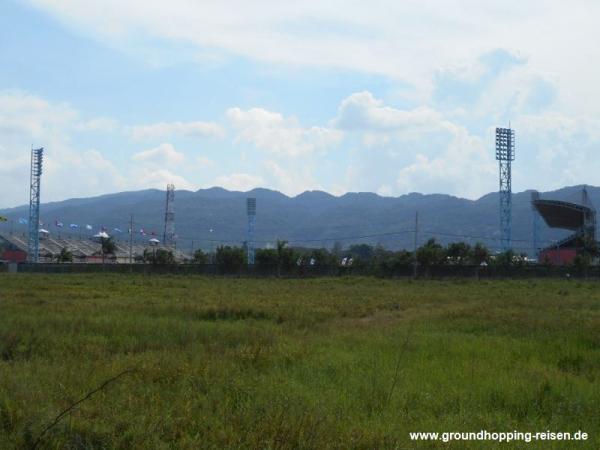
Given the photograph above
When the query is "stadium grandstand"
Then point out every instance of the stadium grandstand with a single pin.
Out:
(578, 217)
(13, 248)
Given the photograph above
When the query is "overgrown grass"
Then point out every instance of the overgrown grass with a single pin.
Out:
(286, 364)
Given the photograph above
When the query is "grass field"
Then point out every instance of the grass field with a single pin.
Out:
(285, 364)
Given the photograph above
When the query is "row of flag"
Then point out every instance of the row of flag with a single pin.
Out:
(74, 226)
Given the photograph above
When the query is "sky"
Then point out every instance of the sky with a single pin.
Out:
(342, 96)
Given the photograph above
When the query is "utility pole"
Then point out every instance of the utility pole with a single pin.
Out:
(131, 240)
(415, 262)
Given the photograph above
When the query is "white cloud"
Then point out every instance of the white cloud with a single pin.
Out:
(465, 169)
(164, 154)
(291, 180)
(239, 181)
(204, 162)
(27, 119)
(409, 40)
(68, 170)
(361, 111)
(277, 134)
(99, 124)
(23, 113)
(149, 177)
(170, 129)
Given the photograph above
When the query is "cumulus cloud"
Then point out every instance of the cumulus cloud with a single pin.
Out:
(239, 181)
(176, 129)
(164, 154)
(68, 169)
(23, 113)
(464, 168)
(361, 111)
(26, 119)
(272, 132)
(291, 180)
(151, 177)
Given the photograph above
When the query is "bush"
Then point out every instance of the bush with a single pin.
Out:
(160, 256)
(200, 257)
(266, 258)
(230, 259)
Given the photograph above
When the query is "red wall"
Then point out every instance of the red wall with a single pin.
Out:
(558, 257)
(14, 256)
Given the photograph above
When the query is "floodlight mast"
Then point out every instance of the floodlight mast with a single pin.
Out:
(169, 232)
(35, 176)
(505, 154)
(251, 211)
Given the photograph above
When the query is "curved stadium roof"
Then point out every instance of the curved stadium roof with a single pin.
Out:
(559, 214)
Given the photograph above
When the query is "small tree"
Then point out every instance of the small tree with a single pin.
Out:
(479, 254)
(64, 256)
(510, 259)
(390, 262)
(164, 257)
(200, 257)
(362, 252)
(582, 263)
(230, 259)
(322, 257)
(431, 254)
(159, 256)
(286, 257)
(458, 252)
(107, 247)
(266, 258)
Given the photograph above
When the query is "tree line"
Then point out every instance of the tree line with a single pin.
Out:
(283, 258)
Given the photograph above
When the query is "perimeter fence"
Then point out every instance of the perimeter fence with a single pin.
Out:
(406, 271)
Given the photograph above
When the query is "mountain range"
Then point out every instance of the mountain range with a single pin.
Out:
(210, 217)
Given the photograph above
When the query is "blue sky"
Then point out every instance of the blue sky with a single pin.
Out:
(390, 97)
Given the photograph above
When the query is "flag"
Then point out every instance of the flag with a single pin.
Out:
(73, 226)
(23, 221)
(88, 227)
(117, 230)
(58, 224)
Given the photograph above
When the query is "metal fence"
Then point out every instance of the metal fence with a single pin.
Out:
(446, 271)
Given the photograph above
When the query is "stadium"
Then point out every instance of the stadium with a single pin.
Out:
(38, 245)
(577, 217)
(82, 250)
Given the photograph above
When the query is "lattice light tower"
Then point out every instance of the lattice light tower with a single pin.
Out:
(535, 224)
(505, 154)
(169, 233)
(251, 211)
(35, 176)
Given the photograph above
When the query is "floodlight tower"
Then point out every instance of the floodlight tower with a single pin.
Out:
(35, 176)
(505, 154)
(169, 233)
(535, 224)
(251, 211)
